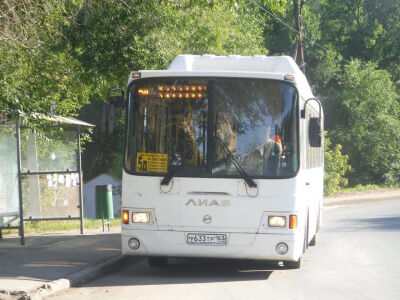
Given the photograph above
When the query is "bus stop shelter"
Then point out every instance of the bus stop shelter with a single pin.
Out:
(40, 171)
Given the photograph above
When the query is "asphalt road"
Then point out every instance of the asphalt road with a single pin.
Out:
(357, 257)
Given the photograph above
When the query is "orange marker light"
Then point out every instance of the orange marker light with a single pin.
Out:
(125, 216)
(292, 221)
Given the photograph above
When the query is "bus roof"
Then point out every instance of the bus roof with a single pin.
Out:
(259, 63)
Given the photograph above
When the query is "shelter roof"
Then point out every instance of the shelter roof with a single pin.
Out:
(4, 119)
(61, 119)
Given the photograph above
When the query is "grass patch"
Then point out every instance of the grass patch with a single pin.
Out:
(65, 225)
(364, 188)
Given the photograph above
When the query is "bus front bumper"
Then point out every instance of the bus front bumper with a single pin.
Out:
(240, 245)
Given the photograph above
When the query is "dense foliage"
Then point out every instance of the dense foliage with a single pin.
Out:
(72, 51)
(336, 166)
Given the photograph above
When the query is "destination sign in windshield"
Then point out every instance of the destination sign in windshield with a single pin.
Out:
(171, 92)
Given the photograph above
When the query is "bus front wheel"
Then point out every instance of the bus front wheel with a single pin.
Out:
(314, 240)
(157, 261)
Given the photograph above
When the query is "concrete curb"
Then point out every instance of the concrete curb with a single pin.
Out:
(73, 279)
(364, 197)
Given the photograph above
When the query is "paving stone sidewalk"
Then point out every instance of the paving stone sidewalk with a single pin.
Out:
(51, 262)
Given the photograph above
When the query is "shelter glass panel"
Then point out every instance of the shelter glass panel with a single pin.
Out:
(50, 149)
(9, 201)
(51, 196)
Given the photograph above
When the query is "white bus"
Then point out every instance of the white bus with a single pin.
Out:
(223, 159)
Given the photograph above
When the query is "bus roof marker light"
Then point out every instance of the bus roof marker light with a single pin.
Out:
(289, 77)
(136, 75)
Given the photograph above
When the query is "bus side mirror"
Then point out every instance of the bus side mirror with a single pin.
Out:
(314, 132)
(108, 113)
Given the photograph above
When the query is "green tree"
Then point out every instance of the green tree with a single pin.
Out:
(368, 124)
(111, 40)
(336, 167)
(34, 69)
(367, 30)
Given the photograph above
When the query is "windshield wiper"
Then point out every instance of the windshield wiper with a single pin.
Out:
(250, 182)
(167, 178)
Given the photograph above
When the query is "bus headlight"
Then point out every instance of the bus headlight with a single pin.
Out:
(141, 217)
(276, 221)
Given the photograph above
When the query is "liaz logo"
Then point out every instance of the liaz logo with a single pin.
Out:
(205, 202)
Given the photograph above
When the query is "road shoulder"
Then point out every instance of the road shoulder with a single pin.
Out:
(348, 198)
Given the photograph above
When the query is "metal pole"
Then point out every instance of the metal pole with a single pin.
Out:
(78, 156)
(298, 19)
(21, 208)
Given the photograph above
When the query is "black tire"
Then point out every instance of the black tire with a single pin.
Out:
(306, 232)
(314, 240)
(157, 261)
(293, 264)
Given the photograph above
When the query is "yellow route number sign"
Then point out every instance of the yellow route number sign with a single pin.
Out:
(151, 162)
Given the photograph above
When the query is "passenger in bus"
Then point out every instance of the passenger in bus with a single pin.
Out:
(271, 154)
(274, 145)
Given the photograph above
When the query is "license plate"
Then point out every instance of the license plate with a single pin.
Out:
(206, 239)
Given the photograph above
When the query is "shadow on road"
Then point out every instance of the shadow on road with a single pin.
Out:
(184, 271)
(385, 223)
(368, 224)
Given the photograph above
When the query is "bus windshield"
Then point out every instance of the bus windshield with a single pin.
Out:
(204, 124)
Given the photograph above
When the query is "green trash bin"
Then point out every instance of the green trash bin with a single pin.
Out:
(104, 202)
